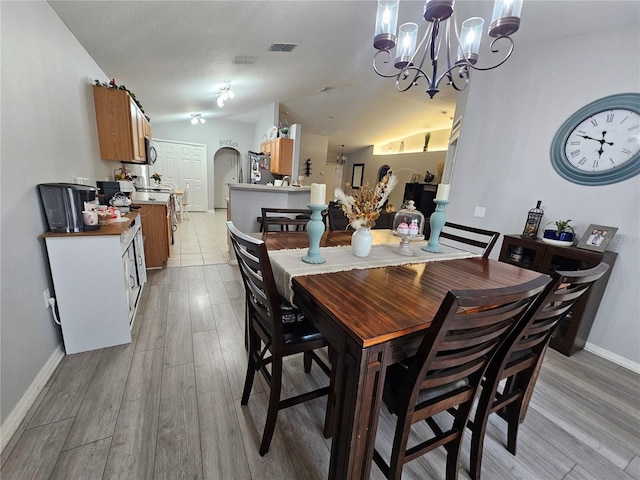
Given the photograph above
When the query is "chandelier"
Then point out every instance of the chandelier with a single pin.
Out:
(411, 65)
(341, 159)
(196, 118)
(224, 94)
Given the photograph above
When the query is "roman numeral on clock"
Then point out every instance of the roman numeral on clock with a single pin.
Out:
(609, 117)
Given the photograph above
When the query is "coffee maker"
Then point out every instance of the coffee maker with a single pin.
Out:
(64, 203)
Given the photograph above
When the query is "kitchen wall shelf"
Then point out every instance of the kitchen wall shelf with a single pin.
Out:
(533, 254)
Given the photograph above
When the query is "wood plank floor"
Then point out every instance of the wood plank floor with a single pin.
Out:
(167, 406)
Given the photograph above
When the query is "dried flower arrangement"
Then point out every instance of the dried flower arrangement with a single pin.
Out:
(363, 209)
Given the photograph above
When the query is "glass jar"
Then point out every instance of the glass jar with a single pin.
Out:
(409, 222)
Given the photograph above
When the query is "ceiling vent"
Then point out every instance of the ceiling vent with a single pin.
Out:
(244, 60)
(282, 47)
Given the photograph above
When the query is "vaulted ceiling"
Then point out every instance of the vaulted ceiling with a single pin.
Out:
(174, 55)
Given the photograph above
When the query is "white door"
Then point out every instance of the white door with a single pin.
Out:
(184, 163)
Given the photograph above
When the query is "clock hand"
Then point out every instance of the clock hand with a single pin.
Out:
(589, 138)
(603, 141)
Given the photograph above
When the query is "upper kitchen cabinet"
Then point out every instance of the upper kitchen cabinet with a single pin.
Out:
(122, 127)
(281, 152)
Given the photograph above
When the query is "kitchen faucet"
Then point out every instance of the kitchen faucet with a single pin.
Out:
(285, 180)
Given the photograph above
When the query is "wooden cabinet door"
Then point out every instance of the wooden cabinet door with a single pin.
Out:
(120, 124)
(282, 156)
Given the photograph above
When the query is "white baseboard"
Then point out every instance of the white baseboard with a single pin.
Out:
(613, 357)
(20, 411)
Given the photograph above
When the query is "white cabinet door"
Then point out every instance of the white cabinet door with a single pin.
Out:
(183, 163)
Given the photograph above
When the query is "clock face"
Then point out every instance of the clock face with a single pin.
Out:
(600, 143)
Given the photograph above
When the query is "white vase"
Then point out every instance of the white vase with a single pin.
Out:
(361, 241)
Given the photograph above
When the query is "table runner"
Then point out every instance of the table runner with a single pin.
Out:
(287, 264)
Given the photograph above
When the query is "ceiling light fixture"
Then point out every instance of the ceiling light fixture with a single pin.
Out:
(224, 94)
(505, 21)
(196, 118)
(341, 160)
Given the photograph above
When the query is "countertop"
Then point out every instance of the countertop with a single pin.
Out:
(268, 188)
(150, 198)
(114, 228)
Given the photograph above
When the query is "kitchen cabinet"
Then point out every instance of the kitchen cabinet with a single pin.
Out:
(98, 277)
(534, 254)
(156, 212)
(281, 153)
(122, 127)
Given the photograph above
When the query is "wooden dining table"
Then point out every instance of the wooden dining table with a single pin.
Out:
(374, 318)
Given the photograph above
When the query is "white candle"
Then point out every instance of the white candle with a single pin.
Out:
(443, 191)
(318, 194)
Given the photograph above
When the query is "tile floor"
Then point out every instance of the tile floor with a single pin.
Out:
(200, 240)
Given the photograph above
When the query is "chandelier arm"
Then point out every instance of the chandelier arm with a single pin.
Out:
(494, 49)
(375, 67)
(404, 73)
(463, 73)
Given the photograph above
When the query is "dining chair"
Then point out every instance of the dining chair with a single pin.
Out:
(184, 203)
(445, 373)
(276, 330)
(518, 361)
(337, 219)
(283, 218)
(478, 239)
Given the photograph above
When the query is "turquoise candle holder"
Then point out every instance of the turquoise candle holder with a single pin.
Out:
(436, 222)
(315, 229)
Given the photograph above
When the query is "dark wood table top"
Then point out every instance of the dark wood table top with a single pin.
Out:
(380, 304)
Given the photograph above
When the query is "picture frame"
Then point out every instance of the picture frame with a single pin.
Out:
(357, 175)
(415, 178)
(597, 237)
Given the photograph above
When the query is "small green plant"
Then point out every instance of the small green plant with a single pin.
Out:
(157, 177)
(562, 226)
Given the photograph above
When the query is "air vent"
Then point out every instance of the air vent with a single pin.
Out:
(282, 47)
(244, 60)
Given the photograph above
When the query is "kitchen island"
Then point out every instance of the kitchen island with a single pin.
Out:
(246, 201)
(156, 213)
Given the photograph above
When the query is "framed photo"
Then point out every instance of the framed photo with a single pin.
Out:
(597, 237)
(415, 178)
(356, 177)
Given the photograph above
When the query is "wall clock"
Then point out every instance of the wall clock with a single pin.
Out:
(600, 143)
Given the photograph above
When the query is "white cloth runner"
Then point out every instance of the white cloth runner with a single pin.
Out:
(287, 264)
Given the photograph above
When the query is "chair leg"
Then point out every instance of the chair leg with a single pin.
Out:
(307, 360)
(274, 406)
(251, 367)
(513, 422)
(478, 431)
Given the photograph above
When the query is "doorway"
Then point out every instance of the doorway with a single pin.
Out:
(226, 168)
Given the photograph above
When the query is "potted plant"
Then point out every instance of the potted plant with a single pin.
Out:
(157, 178)
(563, 231)
(284, 130)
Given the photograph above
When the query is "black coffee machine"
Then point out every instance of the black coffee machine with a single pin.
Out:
(63, 204)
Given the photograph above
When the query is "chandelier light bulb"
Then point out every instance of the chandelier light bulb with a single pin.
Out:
(194, 121)
(230, 92)
(225, 96)
(220, 101)
(202, 120)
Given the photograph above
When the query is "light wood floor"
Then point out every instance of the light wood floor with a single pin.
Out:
(167, 406)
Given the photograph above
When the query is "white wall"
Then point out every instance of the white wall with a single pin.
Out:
(403, 165)
(215, 134)
(48, 135)
(510, 118)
